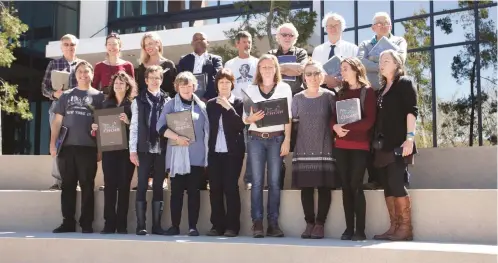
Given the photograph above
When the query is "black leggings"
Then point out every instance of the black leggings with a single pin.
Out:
(154, 163)
(351, 165)
(308, 202)
(393, 179)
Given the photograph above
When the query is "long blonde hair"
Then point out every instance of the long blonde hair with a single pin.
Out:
(144, 57)
(258, 79)
(400, 66)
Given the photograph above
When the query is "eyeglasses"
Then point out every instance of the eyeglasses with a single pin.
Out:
(69, 45)
(314, 73)
(333, 26)
(287, 35)
(154, 78)
(382, 24)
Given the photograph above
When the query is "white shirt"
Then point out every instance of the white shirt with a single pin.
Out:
(342, 48)
(244, 70)
(221, 141)
(282, 90)
(199, 62)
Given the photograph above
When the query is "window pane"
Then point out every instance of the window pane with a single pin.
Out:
(449, 5)
(489, 82)
(454, 27)
(418, 66)
(228, 19)
(487, 25)
(404, 9)
(417, 32)
(367, 10)
(456, 94)
(344, 8)
(365, 34)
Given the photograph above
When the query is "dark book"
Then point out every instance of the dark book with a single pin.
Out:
(182, 124)
(333, 66)
(287, 59)
(111, 135)
(248, 103)
(276, 112)
(201, 84)
(60, 140)
(348, 111)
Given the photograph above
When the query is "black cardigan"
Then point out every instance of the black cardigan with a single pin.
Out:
(397, 103)
(232, 126)
(169, 75)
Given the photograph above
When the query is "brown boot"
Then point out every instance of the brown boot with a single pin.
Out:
(307, 231)
(257, 229)
(318, 232)
(404, 230)
(392, 217)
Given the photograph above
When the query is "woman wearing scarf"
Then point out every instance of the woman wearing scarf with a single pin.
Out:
(147, 148)
(187, 160)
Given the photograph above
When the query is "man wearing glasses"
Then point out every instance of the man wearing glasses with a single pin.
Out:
(382, 27)
(66, 63)
(334, 25)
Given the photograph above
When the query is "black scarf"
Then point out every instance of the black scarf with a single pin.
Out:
(156, 100)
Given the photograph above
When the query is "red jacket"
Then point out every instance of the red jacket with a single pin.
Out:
(360, 132)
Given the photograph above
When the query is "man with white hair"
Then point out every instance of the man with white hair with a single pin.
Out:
(66, 63)
(334, 25)
(382, 27)
(286, 38)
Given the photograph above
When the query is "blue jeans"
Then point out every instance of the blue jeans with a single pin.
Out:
(265, 153)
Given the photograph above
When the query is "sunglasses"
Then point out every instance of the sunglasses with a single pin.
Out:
(286, 35)
(69, 45)
(314, 73)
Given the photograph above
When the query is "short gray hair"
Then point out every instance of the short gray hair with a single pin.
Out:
(70, 37)
(381, 14)
(291, 27)
(335, 16)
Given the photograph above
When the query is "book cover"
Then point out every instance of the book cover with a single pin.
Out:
(60, 140)
(287, 59)
(182, 124)
(59, 79)
(111, 135)
(348, 111)
(333, 66)
(382, 45)
(276, 112)
(201, 84)
(248, 103)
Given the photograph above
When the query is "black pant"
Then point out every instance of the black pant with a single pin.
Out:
(373, 173)
(78, 164)
(308, 202)
(118, 172)
(351, 165)
(392, 178)
(224, 172)
(179, 183)
(154, 163)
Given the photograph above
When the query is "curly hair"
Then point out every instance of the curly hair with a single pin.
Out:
(131, 85)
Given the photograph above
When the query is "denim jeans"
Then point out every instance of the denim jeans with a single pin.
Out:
(265, 153)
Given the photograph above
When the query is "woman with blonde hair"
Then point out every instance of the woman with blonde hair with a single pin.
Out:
(312, 162)
(267, 145)
(394, 142)
(352, 146)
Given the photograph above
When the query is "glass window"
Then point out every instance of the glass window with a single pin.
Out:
(228, 19)
(404, 9)
(365, 34)
(416, 32)
(489, 83)
(448, 5)
(367, 10)
(455, 91)
(487, 24)
(418, 66)
(344, 8)
(454, 27)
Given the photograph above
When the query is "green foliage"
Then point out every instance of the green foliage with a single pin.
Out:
(11, 28)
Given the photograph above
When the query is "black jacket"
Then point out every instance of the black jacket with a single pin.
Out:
(232, 126)
(212, 65)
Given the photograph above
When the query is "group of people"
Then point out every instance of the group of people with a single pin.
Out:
(326, 155)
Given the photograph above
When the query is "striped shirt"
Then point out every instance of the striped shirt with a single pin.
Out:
(60, 64)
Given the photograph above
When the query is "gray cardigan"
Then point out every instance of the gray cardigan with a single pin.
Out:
(372, 63)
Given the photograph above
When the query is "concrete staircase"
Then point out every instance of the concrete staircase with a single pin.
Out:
(457, 222)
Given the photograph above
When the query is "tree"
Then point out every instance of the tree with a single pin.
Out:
(261, 23)
(461, 112)
(11, 28)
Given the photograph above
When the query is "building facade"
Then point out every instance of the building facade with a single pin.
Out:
(451, 46)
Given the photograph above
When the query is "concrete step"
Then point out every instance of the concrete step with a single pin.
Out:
(436, 168)
(462, 216)
(96, 248)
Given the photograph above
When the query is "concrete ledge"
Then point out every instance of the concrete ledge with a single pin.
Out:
(435, 168)
(132, 249)
(462, 216)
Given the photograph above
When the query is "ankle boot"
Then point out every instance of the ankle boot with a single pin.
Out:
(404, 230)
(141, 209)
(392, 217)
(157, 212)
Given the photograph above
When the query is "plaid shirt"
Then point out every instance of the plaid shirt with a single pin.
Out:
(60, 64)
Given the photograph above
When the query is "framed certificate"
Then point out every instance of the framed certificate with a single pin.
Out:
(182, 124)
(111, 135)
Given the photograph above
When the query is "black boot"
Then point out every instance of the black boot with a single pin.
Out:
(157, 212)
(141, 209)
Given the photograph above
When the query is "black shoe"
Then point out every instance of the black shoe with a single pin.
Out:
(157, 211)
(141, 208)
(87, 230)
(101, 188)
(347, 235)
(65, 229)
(231, 233)
(359, 236)
(173, 231)
(214, 233)
(134, 188)
(274, 230)
(122, 231)
(193, 232)
(108, 230)
(55, 187)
